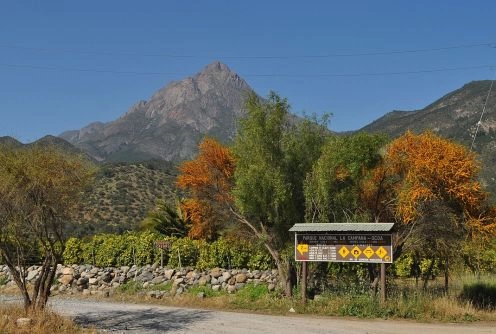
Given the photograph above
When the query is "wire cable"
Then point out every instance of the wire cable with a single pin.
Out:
(275, 75)
(245, 57)
(482, 114)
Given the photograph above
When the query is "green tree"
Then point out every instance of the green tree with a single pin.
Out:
(273, 153)
(167, 220)
(40, 188)
(333, 188)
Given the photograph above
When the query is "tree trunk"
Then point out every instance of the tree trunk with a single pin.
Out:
(446, 276)
(374, 279)
(428, 274)
(19, 281)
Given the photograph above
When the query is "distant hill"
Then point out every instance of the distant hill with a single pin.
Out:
(123, 194)
(46, 141)
(454, 116)
(170, 124)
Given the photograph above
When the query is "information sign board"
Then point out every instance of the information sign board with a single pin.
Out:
(344, 247)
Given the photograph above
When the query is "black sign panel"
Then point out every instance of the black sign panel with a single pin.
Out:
(350, 247)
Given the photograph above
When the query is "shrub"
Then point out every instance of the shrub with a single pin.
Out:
(480, 295)
(73, 252)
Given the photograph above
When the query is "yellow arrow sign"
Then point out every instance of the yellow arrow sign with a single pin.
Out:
(302, 248)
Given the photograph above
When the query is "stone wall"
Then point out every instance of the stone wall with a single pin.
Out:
(90, 280)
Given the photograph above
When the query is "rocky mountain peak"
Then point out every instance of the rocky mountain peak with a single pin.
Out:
(170, 124)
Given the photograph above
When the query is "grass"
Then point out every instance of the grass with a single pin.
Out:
(405, 301)
(3, 280)
(43, 322)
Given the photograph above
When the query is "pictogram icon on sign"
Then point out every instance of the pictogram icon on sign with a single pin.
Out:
(368, 252)
(381, 252)
(343, 251)
(302, 248)
(356, 252)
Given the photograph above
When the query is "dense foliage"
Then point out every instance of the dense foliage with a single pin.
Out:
(139, 248)
(40, 191)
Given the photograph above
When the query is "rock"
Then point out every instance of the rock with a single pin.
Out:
(239, 286)
(204, 280)
(241, 278)
(67, 271)
(216, 287)
(178, 281)
(232, 280)
(231, 288)
(66, 279)
(32, 274)
(93, 281)
(82, 281)
(145, 285)
(107, 278)
(154, 294)
(146, 276)
(191, 275)
(158, 280)
(169, 273)
(271, 287)
(214, 281)
(216, 272)
(179, 291)
(227, 275)
(201, 295)
(292, 310)
(24, 322)
(125, 269)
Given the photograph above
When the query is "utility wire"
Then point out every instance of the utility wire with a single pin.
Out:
(275, 75)
(482, 114)
(244, 57)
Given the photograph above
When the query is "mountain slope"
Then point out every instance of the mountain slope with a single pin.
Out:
(170, 124)
(123, 194)
(454, 116)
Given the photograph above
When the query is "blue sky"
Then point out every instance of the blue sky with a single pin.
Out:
(64, 64)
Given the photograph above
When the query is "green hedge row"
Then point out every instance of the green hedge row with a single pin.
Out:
(133, 248)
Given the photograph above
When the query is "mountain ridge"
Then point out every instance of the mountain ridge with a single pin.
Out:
(171, 123)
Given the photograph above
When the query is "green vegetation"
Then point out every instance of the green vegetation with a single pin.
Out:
(40, 190)
(122, 195)
(138, 248)
(481, 295)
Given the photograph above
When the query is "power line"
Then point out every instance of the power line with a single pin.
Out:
(274, 75)
(246, 57)
(482, 114)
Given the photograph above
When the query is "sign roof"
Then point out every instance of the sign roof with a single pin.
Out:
(342, 227)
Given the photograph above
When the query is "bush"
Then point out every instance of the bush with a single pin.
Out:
(133, 248)
(480, 295)
(185, 252)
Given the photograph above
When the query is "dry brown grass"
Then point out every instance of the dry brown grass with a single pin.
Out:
(42, 322)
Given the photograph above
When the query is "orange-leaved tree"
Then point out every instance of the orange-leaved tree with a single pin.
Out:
(429, 186)
(207, 181)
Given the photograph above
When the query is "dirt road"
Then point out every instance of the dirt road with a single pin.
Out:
(143, 319)
(140, 318)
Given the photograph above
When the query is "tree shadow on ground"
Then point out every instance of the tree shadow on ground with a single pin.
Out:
(142, 321)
